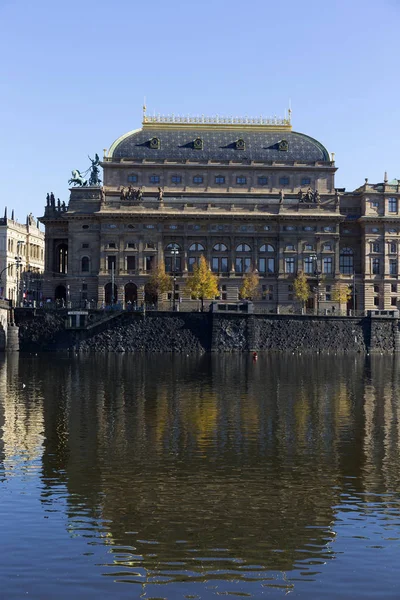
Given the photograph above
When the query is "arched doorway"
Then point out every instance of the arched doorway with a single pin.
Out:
(109, 297)
(60, 293)
(150, 294)
(130, 293)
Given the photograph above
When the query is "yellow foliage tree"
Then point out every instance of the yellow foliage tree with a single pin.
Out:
(301, 288)
(159, 281)
(251, 286)
(202, 284)
(341, 293)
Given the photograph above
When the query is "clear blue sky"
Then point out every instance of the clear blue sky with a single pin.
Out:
(73, 76)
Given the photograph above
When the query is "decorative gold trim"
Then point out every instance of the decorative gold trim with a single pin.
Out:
(177, 121)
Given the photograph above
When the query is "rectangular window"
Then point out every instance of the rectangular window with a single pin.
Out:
(376, 289)
(271, 265)
(219, 179)
(242, 265)
(219, 264)
(346, 264)
(154, 179)
(176, 179)
(327, 265)
(392, 266)
(392, 203)
(262, 265)
(131, 263)
(375, 266)
(375, 247)
(328, 297)
(241, 180)
(284, 181)
(262, 180)
(172, 264)
(85, 245)
(111, 260)
(112, 245)
(131, 245)
(394, 288)
(132, 178)
(214, 265)
(392, 248)
(192, 260)
(308, 265)
(306, 181)
(376, 301)
(289, 265)
(198, 179)
(149, 262)
(393, 301)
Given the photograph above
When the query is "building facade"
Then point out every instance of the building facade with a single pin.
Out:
(21, 259)
(245, 193)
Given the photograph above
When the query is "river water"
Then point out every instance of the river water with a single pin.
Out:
(199, 477)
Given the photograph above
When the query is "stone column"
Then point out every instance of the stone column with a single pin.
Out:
(12, 338)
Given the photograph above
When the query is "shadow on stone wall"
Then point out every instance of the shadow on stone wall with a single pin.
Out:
(201, 332)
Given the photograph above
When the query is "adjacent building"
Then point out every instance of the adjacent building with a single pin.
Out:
(21, 259)
(247, 194)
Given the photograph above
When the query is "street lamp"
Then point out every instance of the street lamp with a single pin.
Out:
(314, 257)
(174, 252)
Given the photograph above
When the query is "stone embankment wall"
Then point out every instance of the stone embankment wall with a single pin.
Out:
(202, 332)
(186, 333)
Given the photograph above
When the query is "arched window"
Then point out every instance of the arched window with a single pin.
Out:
(220, 247)
(346, 261)
(243, 263)
(266, 266)
(172, 246)
(243, 248)
(194, 260)
(220, 263)
(85, 264)
(266, 248)
(196, 247)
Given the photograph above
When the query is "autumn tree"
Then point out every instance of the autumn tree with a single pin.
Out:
(250, 288)
(301, 288)
(202, 284)
(159, 281)
(341, 293)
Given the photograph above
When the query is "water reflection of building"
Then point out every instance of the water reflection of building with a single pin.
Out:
(381, 441)
(187, 455)
(218, 451)
(21, 416)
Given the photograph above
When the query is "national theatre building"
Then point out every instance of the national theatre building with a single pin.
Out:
(245, 193)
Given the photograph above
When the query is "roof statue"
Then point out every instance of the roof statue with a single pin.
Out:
(94, 179)
(79, 179)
